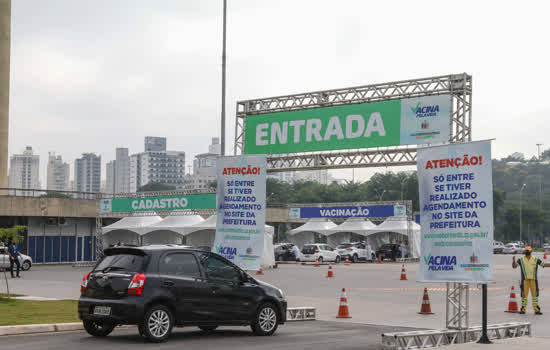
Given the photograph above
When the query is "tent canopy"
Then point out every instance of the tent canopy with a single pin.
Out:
(360, 226)
(174, 223)
(208, 224)
(322, 226)
(399, 224)
(135, 224)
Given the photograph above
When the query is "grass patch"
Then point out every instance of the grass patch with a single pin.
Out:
(5, 295)
(16, 312)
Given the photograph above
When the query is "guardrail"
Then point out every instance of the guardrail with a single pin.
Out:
(34, 192)
(435, 338)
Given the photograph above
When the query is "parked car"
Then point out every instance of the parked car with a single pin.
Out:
(498, 247)
(355, 252)
(161, 287)
(283, 252)
(546, 246)
(392, 251)
(319, 251)
(24, 260)
(513, 248)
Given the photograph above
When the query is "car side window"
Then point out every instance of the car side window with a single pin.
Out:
(179, 264)
(218, 269)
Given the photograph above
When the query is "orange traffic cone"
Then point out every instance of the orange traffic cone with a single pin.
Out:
(317, 262)
(379, 259)
(426, 309)
(513, 303)
(347, 261)
(403, 273)
(343, 311)
(330, 273)
(260, 271)
(544, 256)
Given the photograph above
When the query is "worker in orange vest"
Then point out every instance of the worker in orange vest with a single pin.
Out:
(529, 282)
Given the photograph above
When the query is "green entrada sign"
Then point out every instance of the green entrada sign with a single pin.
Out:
(164, 203)
(375, 124)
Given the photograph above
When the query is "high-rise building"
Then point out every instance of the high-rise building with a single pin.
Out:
(110, 177)
(285, 176)
(157, 164)
(87, 173)
(24, 171)
(204, 167)
(155, 144)
(121, 171)
(58, 173)
(320, 176)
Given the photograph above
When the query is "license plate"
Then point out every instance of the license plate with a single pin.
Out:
(307, 255)
(341, 252)
(102, 310)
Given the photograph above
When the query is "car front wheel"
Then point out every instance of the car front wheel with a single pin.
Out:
(355, 258)
(337, 259)
(266, 320)
(26, 265)
(98, 329)
(320, 260)
(157, 324)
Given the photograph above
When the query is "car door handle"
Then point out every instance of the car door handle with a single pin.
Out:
(168, 283)
(215, 290)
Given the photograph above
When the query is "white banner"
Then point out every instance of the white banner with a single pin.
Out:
(456, 213)
(241, 209)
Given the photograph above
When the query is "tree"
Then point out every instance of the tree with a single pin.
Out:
(498, 201)
(156, 186)
(9, 233)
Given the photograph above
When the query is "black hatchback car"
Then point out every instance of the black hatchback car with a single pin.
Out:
(161, 287)
(390, 251)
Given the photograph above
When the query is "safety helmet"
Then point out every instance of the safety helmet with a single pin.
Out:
(528, 249)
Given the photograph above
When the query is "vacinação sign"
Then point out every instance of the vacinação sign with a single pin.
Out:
(420, 120)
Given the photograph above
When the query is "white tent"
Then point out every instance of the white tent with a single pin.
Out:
(204, 233)
(127, 230)
(343, 232)
(170, 230)
(399, 225)
(306, 233)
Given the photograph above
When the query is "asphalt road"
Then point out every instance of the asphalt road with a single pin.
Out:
(316, 335)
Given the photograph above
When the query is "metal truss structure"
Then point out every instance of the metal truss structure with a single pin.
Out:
(435, 338)
(459, 86)
(301, 314)
(458, 306)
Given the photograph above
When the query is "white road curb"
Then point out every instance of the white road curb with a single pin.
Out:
(40, 328)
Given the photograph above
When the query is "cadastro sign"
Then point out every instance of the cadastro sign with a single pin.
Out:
(420, 120)
(370, 211)
(164, 203)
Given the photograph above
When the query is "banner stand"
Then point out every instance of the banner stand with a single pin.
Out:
(458, 306)
(484, 338)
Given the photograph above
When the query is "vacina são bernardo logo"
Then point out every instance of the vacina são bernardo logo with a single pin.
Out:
(227, 252)
(425, 111)
(440, 263)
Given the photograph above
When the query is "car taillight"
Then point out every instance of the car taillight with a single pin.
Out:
(349, 249)
(137, 284)
(316, 250)
(84, 283)
(389, 250)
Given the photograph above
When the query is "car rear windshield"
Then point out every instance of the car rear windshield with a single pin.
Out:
(344, 245)
(309, 249)
(121, 262)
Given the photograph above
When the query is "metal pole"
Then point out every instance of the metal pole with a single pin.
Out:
(484, 338)
(223, 78)
(540, 189)
(520, 209)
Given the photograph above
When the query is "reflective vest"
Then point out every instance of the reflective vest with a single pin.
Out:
(529, 267)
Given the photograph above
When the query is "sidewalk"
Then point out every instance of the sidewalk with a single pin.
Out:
(522, 343)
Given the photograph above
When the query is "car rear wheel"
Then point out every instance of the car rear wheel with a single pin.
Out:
(338, 259)
(355, 258)
(157, 323)
(266, 320)
(208, 328)
(320, 259)
(26, 265)
(97, 328)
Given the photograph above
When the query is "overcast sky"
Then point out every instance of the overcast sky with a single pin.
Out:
(88, 76)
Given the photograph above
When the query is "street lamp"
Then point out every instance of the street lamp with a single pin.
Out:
(520, 204)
